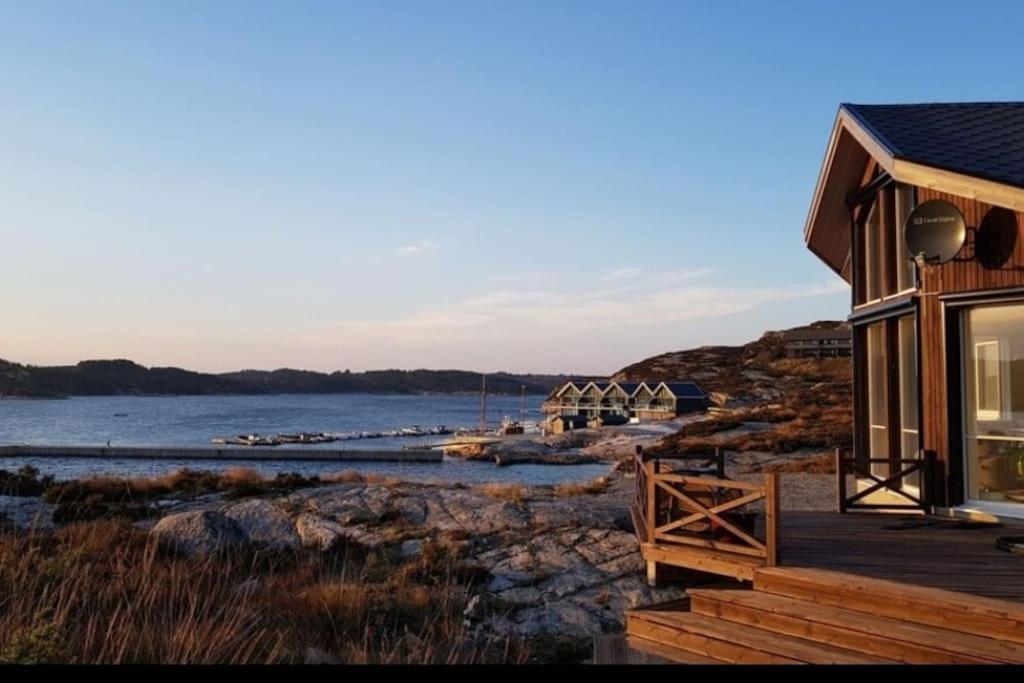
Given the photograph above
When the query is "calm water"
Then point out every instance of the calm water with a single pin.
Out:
(194, 420)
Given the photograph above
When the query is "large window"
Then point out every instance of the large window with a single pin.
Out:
(994, 402)
(905, 269)
(878, 398)
(910, 444)
(874, 258)
(885, 268)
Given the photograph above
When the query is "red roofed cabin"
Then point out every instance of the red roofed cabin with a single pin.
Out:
(938, 347)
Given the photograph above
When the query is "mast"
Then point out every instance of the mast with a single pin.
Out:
(522, 404)
(483, 403)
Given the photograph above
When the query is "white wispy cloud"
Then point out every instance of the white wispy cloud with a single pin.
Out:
(622, 274)
(533, 315)
(416, 248)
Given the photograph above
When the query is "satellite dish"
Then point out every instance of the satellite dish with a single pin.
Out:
(935, 231)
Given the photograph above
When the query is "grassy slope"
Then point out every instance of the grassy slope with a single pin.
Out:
(808, 402)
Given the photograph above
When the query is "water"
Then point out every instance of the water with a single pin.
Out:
(194, 420)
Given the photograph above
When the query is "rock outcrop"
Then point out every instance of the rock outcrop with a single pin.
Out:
(199, 532)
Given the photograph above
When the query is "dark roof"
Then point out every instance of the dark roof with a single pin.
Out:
(815, 335)
(628, 387)
(984, 139)
(684, 389)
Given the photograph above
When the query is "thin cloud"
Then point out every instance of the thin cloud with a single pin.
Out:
(622, 274)
(416, 248)
(532, 316)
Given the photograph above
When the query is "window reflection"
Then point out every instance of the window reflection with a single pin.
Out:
(994, 402)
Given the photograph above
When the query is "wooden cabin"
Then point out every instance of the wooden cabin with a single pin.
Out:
(564, 399)
(938, 357)
(616, 399)
(642, 400)
(666, 400)
(938, 346)
(589, 403)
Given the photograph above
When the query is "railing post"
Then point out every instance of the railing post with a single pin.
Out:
(840, 481)
(771, 518)
(650, 470)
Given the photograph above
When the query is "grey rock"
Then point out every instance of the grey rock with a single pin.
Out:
(199, 532)
(317, 532)
(358, 515)
(411, 548)
(26, 512)
(264, 523)
(562, 618)
(410, 509)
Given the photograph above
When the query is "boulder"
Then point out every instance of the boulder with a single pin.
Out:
(264, 523)
(26, 512)
(317, 532)
(199, 532)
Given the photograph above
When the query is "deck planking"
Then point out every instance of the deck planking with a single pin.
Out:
(964, 560)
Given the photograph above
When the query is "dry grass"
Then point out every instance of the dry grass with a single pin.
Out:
(514, 493)
(587, 488)
(354, 477)
(821, 464)
(103, 592)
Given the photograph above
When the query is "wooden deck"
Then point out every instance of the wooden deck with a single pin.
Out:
(924, 552)
(848, 588)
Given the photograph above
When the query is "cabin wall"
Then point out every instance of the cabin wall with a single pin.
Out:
(966, 273)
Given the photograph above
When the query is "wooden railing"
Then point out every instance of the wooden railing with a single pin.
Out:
(925, 467)
(710, 512)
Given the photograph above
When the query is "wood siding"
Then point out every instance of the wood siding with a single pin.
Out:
(939, 395)
(965, 273)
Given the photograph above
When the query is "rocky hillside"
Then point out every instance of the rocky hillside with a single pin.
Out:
(772, 403)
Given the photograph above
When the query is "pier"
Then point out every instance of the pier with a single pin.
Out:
(425, 454)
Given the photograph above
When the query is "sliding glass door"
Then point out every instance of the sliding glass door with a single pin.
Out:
(993, 374)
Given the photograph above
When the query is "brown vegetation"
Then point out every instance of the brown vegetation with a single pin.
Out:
(514, 493)
(586, 488)
(103, 592)
(819, 464)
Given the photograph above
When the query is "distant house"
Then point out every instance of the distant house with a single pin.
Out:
(811, 343)
(617, 402)
(559, 424)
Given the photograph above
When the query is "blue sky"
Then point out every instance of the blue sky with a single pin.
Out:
(533, 186)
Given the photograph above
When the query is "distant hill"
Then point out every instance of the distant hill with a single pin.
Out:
(124, 377)
(808, 401)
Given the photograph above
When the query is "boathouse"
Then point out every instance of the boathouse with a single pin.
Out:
(626, 400)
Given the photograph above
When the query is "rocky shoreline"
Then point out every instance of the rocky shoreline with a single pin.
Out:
(547, 561)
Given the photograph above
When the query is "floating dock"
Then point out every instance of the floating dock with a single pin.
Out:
(224, 453)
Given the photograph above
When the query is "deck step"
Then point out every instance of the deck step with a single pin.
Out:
(969, 614)
(732, 642)
(886, 637)
(740, 567)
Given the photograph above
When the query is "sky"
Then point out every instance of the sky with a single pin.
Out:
(547, 186)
